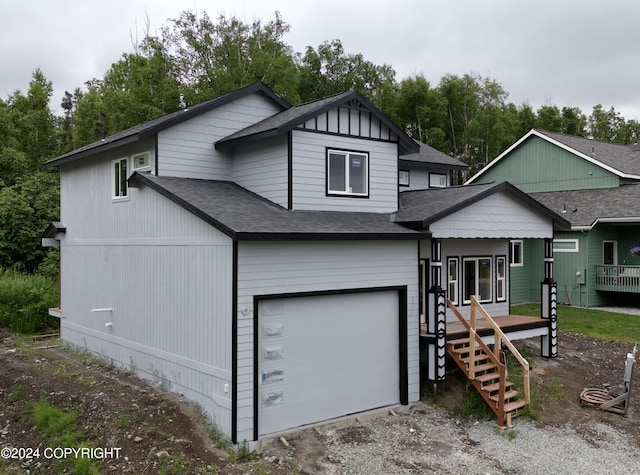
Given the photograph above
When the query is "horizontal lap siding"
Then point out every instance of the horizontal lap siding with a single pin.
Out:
(310, 173)
(262, 168)
(275, 268)
(187, 149)
(165, 274)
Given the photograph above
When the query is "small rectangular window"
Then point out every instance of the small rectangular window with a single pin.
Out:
(403, 177)
(140, 161)
(119, 168)
(347, 173)
(452, 280)
(516, 254)
(565, 245)
(437, 180)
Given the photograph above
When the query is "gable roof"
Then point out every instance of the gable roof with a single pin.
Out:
(243, 215)
(419, 209)
(621, 160)
(287, 120)
(434, 158)
(152, 127)
(584, 209)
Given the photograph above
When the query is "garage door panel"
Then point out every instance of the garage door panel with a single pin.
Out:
(332, 355)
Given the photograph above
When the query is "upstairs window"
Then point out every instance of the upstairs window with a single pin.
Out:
(119, 176)
(140, 161)
(437, 180)
(347, 173)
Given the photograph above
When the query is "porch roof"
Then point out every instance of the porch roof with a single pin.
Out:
(584, 209)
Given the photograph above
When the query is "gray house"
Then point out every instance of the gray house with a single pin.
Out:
(261, 260)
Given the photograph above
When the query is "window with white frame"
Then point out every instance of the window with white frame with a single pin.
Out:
(119, 178)
(516, 259)
(452, 280)
(437, 180)
(347, 173)
(565, 245)
(403, 177)
(477, 279)
(140, 161)
(501, 279)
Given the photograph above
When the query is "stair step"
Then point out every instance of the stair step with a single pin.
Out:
(507, 395)
(464, 350)
(515, 405)
(483, 378)
(496, 386)
(481, 368)
(461, 341)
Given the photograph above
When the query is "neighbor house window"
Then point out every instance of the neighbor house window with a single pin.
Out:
(452, 280)
(437, 180)
(347, 173)
(565, 245)
(119, 176)
(140, 161)
(403, 177)
(516, 254)
(477, 278)
(501, 279)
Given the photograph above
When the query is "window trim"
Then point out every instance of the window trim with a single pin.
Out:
(575, 241)
(513, 263)
(442, 175)
(143, 154)
(117, 187)
(456, 282)
(501, 282)
(405, 173)
(477, 260)
(347, 154)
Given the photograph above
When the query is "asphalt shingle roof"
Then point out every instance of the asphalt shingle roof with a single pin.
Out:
(584, 208)
(431, 156)
(242, 214)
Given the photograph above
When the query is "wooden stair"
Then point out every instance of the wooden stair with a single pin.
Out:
(488, 374)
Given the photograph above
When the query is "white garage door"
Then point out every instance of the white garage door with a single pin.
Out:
(322, 357)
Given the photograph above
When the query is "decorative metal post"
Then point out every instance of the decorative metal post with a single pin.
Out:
(549, 304)
(436, 318)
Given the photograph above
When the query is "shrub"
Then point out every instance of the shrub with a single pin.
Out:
(25, 301)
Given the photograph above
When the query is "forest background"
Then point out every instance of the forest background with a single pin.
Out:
(194, 58)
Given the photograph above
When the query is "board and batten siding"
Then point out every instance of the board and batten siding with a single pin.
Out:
(148, 286)
(496, 216)
(310, 173)
(271, 268)
(537, 165)
(262, 167)
(187, 149)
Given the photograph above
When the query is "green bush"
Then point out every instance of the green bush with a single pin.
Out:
(25, 301)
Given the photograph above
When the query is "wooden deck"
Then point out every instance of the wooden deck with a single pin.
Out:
(510, 324)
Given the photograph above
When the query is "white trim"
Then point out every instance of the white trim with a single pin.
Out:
(144, 167)
(347, 154)
(114, 196)
(576, 248)
(511, 243)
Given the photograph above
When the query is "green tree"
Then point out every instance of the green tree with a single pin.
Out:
(549, 118)
(606, 125)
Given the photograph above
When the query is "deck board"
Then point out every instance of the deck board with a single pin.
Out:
(506, 322)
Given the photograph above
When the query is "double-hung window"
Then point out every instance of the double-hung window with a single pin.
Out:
(347, 173)
(119, 178)
(477, 279)
(452, 280)
(501, 279)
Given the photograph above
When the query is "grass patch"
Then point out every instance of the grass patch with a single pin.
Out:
(591, 323)
(25, 301)
(14, 395)
(60, 428)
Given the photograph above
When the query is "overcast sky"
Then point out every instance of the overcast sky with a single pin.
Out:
(560, 52)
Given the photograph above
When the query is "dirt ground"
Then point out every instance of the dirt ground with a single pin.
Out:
(158, 432)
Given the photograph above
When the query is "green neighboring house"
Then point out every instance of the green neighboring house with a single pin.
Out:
(596, 187)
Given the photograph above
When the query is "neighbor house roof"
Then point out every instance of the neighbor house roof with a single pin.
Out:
(287, 120)
(418, 209)
(244, 215)
(586, 208)
(149, 128)
(434, 158)
(621, 160)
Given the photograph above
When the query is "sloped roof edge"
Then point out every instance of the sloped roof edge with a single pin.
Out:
(151, 127)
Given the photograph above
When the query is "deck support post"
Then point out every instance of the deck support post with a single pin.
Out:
(436, 318)
(549, 304)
